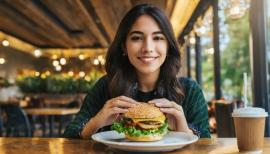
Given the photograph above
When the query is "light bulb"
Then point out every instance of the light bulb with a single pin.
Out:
(58, 68)
(70, 73)
(2, 60)
(37, 73)
(54, 56)
(55, 63)
(63, 61)
(81, 74)
(96, 62)
(192, 40)
(37, 53)
(5, 43)
(81, 57)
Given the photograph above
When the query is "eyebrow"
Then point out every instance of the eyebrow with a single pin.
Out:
(141, 33)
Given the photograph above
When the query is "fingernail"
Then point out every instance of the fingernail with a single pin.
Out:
(158, 104)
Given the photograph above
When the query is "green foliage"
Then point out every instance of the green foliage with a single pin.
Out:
(56, 84)
(208, 76)
(234, 60)
(84, 85)
(32, 84)
(235, 57)
(4, 82)
(60, 85)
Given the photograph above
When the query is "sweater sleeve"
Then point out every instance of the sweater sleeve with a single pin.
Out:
(93, 102)
(195, 108)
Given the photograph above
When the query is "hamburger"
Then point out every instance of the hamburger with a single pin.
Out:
(144, 122)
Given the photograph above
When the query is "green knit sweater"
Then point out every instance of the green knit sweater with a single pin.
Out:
(194, 106)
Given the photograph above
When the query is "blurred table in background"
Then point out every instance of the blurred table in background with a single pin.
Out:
(15, 101)
(49, 100)
(51, 113)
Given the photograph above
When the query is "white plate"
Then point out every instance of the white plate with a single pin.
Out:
(171, 141)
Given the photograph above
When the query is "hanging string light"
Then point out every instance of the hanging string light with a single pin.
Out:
(96, 62)
(55, 63)
(54, 56)
(63, 61)
(81, 74)
(2, 60)
(5, 43)
(70, 73)
(203, 25)
(37, 53)
(58, 68)
(81, 56)
(235, 9)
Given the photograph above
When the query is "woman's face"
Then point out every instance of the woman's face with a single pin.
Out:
(146, 46)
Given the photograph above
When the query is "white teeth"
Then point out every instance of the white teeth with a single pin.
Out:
(147, 58)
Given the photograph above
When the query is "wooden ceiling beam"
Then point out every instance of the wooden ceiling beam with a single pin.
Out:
(106, 16)
(25, 30)
(28, 8)
(49, 52)
(169, 7)
(65, 12)
(201, 8)
(19, 32)
(120, 10)
(181, 14)
(18, 44)
(82, 11)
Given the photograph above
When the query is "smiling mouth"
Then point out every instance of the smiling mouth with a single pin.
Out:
(147, 59)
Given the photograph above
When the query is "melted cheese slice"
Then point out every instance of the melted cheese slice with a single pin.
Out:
(160, 119)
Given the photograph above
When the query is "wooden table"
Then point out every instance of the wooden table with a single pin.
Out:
(67, 146)
(21, 103)
(56, 99)
(51, 112)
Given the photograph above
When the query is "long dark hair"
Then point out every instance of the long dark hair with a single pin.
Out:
(122, 75)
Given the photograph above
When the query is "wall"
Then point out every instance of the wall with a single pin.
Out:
(15, 61)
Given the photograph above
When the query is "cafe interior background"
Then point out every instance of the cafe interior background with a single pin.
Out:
(52, 52)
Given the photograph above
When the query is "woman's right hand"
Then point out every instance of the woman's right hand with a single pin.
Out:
(112, 109)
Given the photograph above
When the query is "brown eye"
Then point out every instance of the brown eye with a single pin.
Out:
(136, 38)
(157, 38)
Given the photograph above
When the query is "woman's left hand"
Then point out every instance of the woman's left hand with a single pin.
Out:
(174, 113)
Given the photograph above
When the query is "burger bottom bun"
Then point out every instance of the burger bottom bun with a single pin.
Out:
(147, 138)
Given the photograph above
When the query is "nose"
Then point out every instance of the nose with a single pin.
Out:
(148, 45)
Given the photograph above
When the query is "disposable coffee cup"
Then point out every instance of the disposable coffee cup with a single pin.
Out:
(249, 125)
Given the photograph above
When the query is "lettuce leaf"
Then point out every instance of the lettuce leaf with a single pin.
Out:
(132, 131)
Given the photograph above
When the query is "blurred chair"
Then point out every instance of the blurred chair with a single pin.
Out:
(65, 120)
(17, 123)
(1, 122)
(38, 122)
(225, 125)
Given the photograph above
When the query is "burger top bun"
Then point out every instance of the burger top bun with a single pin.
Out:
(143, 110)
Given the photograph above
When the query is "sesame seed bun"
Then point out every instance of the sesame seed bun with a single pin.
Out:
(143, 111)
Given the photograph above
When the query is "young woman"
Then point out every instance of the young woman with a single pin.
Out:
(142, 64)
